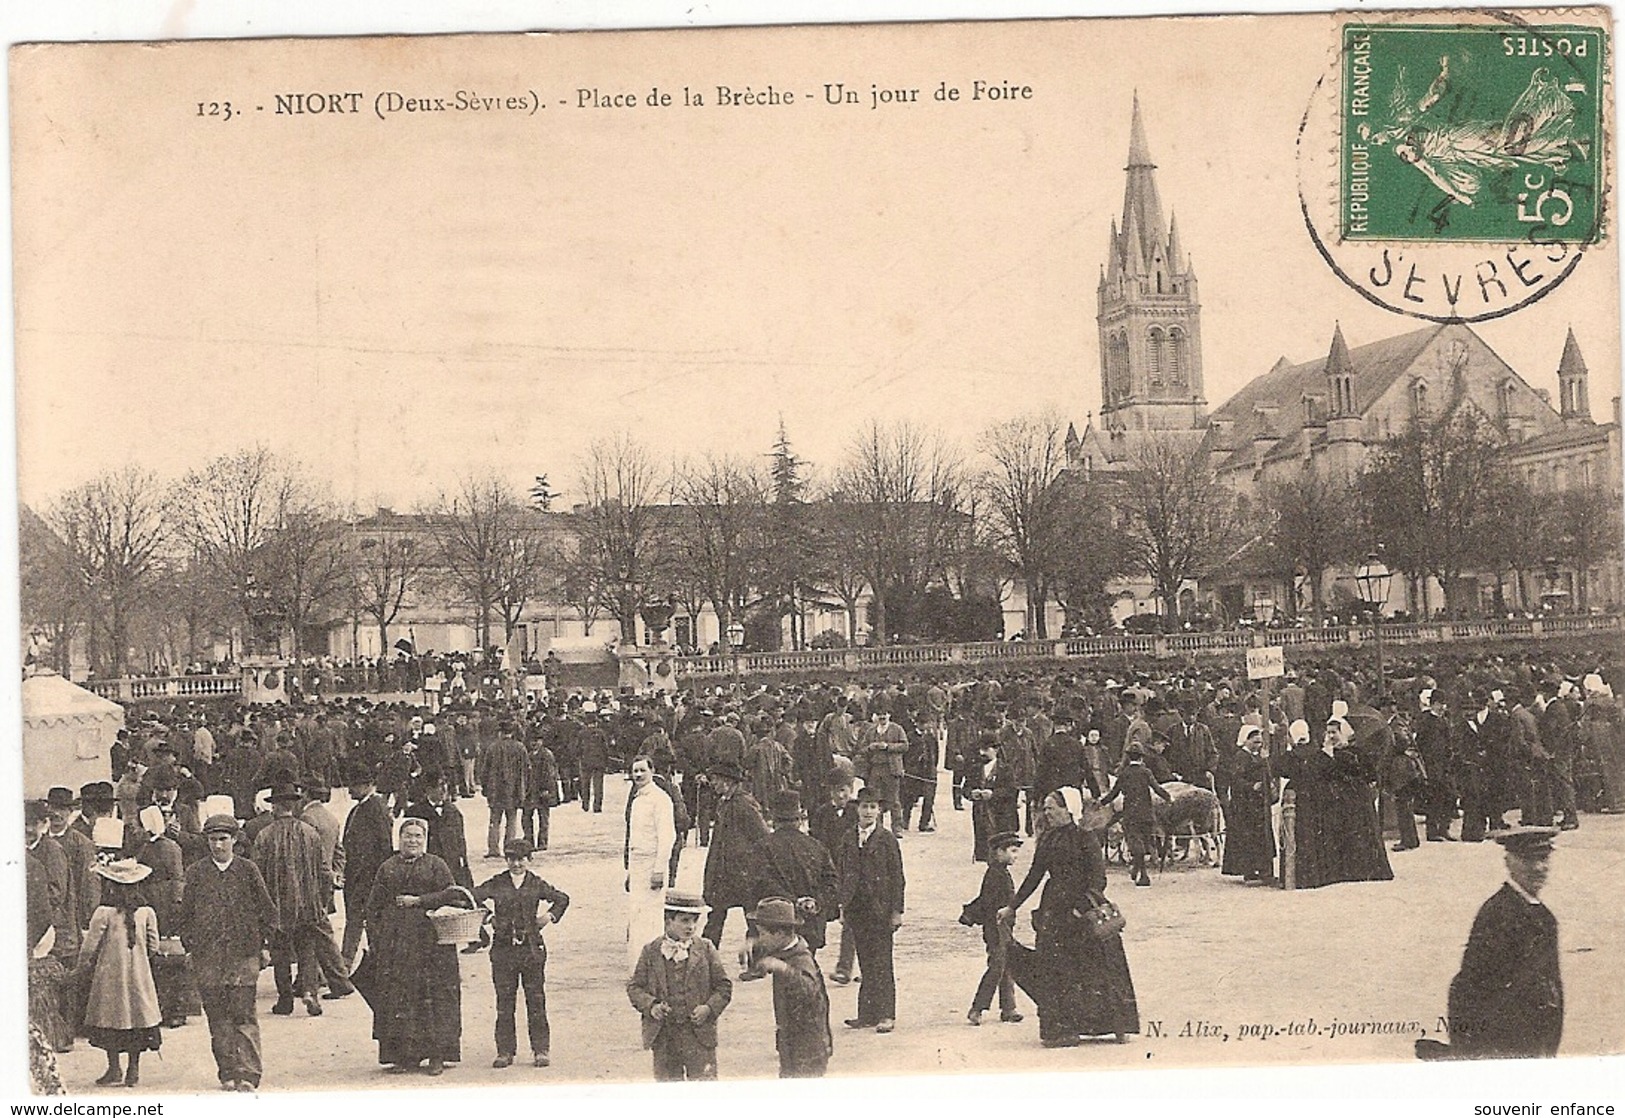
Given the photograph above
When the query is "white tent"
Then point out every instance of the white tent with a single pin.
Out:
(68, 734)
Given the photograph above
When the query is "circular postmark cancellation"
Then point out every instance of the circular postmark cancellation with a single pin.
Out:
(1454, 166)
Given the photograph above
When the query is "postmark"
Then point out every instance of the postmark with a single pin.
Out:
(1458, 171)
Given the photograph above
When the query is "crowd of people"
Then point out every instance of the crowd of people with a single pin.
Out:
(211, 851)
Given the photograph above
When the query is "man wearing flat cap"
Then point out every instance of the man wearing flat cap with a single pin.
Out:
(1507, 1000)
(225, 917)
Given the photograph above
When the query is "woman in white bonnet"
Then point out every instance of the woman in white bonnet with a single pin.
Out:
(1338, 835)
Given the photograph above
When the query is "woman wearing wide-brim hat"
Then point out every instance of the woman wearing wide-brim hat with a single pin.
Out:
(121, 1009)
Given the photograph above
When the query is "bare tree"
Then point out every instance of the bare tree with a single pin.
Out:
(903, 486)
(114, 529)
(720, 532)
(489, 550)
(387, 568)
(1176, 520)
(1315, 524)
(54, 597)
(1028, 454)
(1430, 499)
(617, 526)
(1588, 522)
(838, 561)
(1086, 549)
(229, 512)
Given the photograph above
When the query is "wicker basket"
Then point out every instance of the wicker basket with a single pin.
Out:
(458, 925)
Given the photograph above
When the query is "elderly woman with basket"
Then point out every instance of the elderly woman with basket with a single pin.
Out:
(411, 978)
(1078, 976)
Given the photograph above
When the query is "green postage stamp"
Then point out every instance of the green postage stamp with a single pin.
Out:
(1472, 133)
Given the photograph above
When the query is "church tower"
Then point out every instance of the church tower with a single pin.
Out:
(1149, 317)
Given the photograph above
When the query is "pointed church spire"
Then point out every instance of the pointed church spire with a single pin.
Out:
(1114, 256)
(1176, 251)
(1134, 256)
(1337, 358)
(1141, 203)
(1572, 363)
(1139, 152)
(1340, 374)
(1573, 393)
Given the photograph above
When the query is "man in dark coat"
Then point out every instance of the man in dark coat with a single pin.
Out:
(872, 889)
(1507, 1000)
(733, 860)
(593, 743)
(1136, 784)
(1434, 742)
(368, 842)
(226, 913)
(504, 771)
(296, 870)
(796, 865)
(446, 837)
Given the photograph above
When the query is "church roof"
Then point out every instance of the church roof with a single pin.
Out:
(1375, 365)
(1562, 438)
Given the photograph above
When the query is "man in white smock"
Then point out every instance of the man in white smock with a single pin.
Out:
(647, 857)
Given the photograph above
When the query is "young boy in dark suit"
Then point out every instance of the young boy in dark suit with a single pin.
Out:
(997, 892)
(681, 987)
(1136, 785)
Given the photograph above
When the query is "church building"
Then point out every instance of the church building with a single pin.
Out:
(1326, 413)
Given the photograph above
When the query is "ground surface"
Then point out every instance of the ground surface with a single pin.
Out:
(1209, 955)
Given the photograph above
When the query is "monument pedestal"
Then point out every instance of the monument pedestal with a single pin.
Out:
(646, 669)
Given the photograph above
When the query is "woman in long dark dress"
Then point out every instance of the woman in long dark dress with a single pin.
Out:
(1338, 834)
(1249, 838)
(1080, 983)
(417, 1006)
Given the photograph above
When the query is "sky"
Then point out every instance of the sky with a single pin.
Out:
(400, 302)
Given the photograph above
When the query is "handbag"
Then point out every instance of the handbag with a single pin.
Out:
(1104, 918)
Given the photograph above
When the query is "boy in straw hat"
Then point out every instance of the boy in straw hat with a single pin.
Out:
(800, 1001)
(681, 987)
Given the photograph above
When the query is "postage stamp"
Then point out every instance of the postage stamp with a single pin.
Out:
(1461, 133)
(1454, 168)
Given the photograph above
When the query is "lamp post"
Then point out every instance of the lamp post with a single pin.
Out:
(736, 638)
(1371, 579)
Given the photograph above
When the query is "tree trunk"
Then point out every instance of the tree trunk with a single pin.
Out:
(878, 609)
(1317, 597)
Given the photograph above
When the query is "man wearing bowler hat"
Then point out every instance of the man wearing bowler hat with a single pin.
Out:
(796, 865)
(1507, 1000)
(289, 854)
(733, 859)
(872, 885)
(96, 801)
(225, 916)
(368, 842)
(800, 1000)
(84, 894)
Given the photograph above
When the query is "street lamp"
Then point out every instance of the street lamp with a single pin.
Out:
(736, 638)
(1371, 579)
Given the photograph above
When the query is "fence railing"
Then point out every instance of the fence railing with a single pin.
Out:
(146, 688)
(1227, 642)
